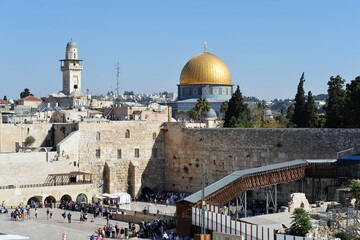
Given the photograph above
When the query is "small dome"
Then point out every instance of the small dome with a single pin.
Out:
(71, 44)
(205, 68)
(210, 114)
(76, 94)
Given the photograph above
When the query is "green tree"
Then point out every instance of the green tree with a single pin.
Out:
(300, 224)
(224, 107)
(203, 106)
(311, 112)
(355, 193)
(26, 93)
(238, 114)
(342, 235)
(5, 98)
(299, 117)
(336, 103)
(352, 112)
(194, 113)
(259, 114)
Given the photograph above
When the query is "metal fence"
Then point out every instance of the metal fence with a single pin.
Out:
(224, 224)
(290, 237)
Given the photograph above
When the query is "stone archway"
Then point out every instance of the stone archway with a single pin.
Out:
(82, 198)
(49, 201)
(34, 201)
(66, 198)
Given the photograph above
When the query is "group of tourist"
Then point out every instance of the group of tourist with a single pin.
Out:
(3, 209)
(253, 208)
(154, 228)
(109, 230)
(20, 213)
(162, 198)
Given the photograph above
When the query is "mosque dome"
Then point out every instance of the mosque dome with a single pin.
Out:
(205, 68)
(71, 44)
(210, 114)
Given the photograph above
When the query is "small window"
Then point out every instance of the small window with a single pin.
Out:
(97, 136)
(137, 153)
(155, 153)
(119, 153)
(127, 134)
(154, 135)
(97, 153)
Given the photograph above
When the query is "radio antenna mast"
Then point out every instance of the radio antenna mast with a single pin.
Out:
(117, 78)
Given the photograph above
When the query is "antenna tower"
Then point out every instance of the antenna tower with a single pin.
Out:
(117, 78)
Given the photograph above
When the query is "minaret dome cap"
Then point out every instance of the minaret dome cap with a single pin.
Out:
(71, 44)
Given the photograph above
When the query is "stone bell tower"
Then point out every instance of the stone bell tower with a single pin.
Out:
(71, 68)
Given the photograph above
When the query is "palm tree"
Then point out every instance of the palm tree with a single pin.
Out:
(194, 113)
(203, 105)
(223, 108)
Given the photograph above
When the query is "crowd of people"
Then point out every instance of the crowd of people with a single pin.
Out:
(109, 231)
(253, 208)
(162, 198)
(154, 228)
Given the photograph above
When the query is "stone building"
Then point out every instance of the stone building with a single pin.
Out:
(71, 95)
(29, 101)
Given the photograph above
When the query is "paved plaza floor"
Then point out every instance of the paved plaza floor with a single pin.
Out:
(41, 228)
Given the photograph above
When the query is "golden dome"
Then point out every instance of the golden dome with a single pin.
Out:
(205, 68)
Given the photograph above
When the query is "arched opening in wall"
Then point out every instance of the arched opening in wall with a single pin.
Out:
(98, 136)
(127, 133)
(49, 201)
(82, 198)
(106, 179)
(154, 135)
(66, 199)
(35, 201)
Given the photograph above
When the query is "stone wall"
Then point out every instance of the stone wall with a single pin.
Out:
(226, 150)
(11, 133)
(31, 168)
(128, 173)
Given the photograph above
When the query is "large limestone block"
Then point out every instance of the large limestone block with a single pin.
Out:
(298, 200)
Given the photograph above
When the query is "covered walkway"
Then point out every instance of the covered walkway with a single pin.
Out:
(237, 183)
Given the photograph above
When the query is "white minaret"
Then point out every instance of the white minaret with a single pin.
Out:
(71, 68)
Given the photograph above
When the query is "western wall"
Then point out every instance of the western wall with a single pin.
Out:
(226, 150)
(157, 156)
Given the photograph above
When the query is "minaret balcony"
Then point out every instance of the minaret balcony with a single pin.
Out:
(67, 68)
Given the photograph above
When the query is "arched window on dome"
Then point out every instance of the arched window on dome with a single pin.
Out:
(127, 133)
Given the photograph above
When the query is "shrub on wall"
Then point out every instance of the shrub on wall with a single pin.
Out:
(29, 140)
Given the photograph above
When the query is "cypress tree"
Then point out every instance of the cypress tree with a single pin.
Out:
(311, 112)
(237, 114)
(299, 117)
(336, 103)
(352, 117)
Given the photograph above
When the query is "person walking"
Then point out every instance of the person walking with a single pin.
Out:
(36, 212)
(117, 230)
(51, 213)
(47, 214)
(69, 217)
(122, 231)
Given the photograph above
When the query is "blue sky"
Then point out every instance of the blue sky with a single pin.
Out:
(265, 44)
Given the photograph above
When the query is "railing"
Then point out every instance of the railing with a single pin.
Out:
(224, 224)
(71, 67)
(44, 185)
